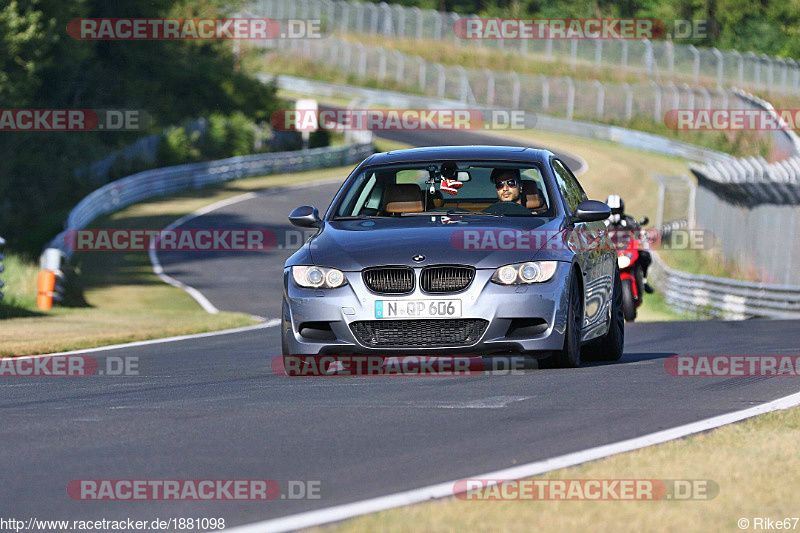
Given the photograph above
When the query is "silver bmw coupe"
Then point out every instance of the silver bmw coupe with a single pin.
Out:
(456, 251)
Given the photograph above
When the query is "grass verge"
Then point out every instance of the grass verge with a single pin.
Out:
(750, 461)
(122, 300)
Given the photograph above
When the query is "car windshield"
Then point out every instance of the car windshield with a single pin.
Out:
(464, 188)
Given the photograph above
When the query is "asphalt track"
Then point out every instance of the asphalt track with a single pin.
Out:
(211, 408)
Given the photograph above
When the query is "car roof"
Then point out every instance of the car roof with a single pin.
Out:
(468, 153)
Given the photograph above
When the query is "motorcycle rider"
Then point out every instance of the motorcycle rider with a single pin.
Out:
(619, 220)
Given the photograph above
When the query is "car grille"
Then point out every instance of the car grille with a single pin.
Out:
(440, 279)
(419, 333)
(389, 280)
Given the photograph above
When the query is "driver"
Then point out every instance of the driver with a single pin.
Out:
(507, 182)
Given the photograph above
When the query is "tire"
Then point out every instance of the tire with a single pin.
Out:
(628, 304)
(611, 345)
(639, 281)
(570, 355)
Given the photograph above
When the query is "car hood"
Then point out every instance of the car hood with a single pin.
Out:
(356, 244)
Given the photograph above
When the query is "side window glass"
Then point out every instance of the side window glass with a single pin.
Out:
(570, 189)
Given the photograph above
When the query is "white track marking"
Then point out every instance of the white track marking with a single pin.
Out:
(443, 490)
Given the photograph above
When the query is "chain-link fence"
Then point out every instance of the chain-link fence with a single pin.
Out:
(661, 61)
(558, 96)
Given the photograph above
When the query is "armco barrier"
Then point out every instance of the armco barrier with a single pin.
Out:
(126, 191)
(722, 297)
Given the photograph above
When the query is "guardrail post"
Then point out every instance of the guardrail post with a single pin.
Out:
(422, 73)
(782, 63)
(656, 101)
(670, 59)
(796, 77)
(601, 95)
(570, 97)
(345, 17)
(720, 66)
(441, 80)
(418, 11)
(387, 19)
(573, 53)
(598, 53)
(628, 102)
(623, 61)
(515, 90)
(401, 64)
(545, 92)
(373, 18)
(438, 27)
(756, 68)
(381, 64)
(401, 20)
(489, 86)
(690, 103)
(696, 55)
(768, 61)
(362, 60)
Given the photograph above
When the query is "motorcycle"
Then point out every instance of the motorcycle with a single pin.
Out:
(628, 243)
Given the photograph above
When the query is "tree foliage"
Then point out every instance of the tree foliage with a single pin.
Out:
(41, 66)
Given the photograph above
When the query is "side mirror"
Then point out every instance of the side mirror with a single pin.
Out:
(591, 211)
(644, 221)
(306, 216)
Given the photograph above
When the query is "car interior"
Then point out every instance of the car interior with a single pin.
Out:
(401, 191)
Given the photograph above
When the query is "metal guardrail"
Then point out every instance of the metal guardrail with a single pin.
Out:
(129, 190)
(722, 297)
(753, 181)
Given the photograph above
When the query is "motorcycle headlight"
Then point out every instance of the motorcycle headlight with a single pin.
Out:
(525, 273)
(314, 277)
(624, 261)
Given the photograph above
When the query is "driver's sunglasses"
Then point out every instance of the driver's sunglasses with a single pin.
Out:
(512, 184)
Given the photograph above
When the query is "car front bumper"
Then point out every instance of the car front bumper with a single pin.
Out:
(527, 319)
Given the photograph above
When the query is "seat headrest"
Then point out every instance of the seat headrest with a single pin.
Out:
(403, 198)
(534, 199)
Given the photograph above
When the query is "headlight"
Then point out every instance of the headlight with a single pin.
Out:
(314, 277)
(624, 261)
(524, 273)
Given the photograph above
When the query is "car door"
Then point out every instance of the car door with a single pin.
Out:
(593, 256)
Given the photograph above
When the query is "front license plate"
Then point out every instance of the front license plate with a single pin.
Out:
(417, 308)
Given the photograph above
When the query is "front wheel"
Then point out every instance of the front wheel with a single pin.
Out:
(611, 345)
(570, 355)
(628, 303)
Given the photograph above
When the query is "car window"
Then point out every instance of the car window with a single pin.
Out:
(371, 191)
(570, 188)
